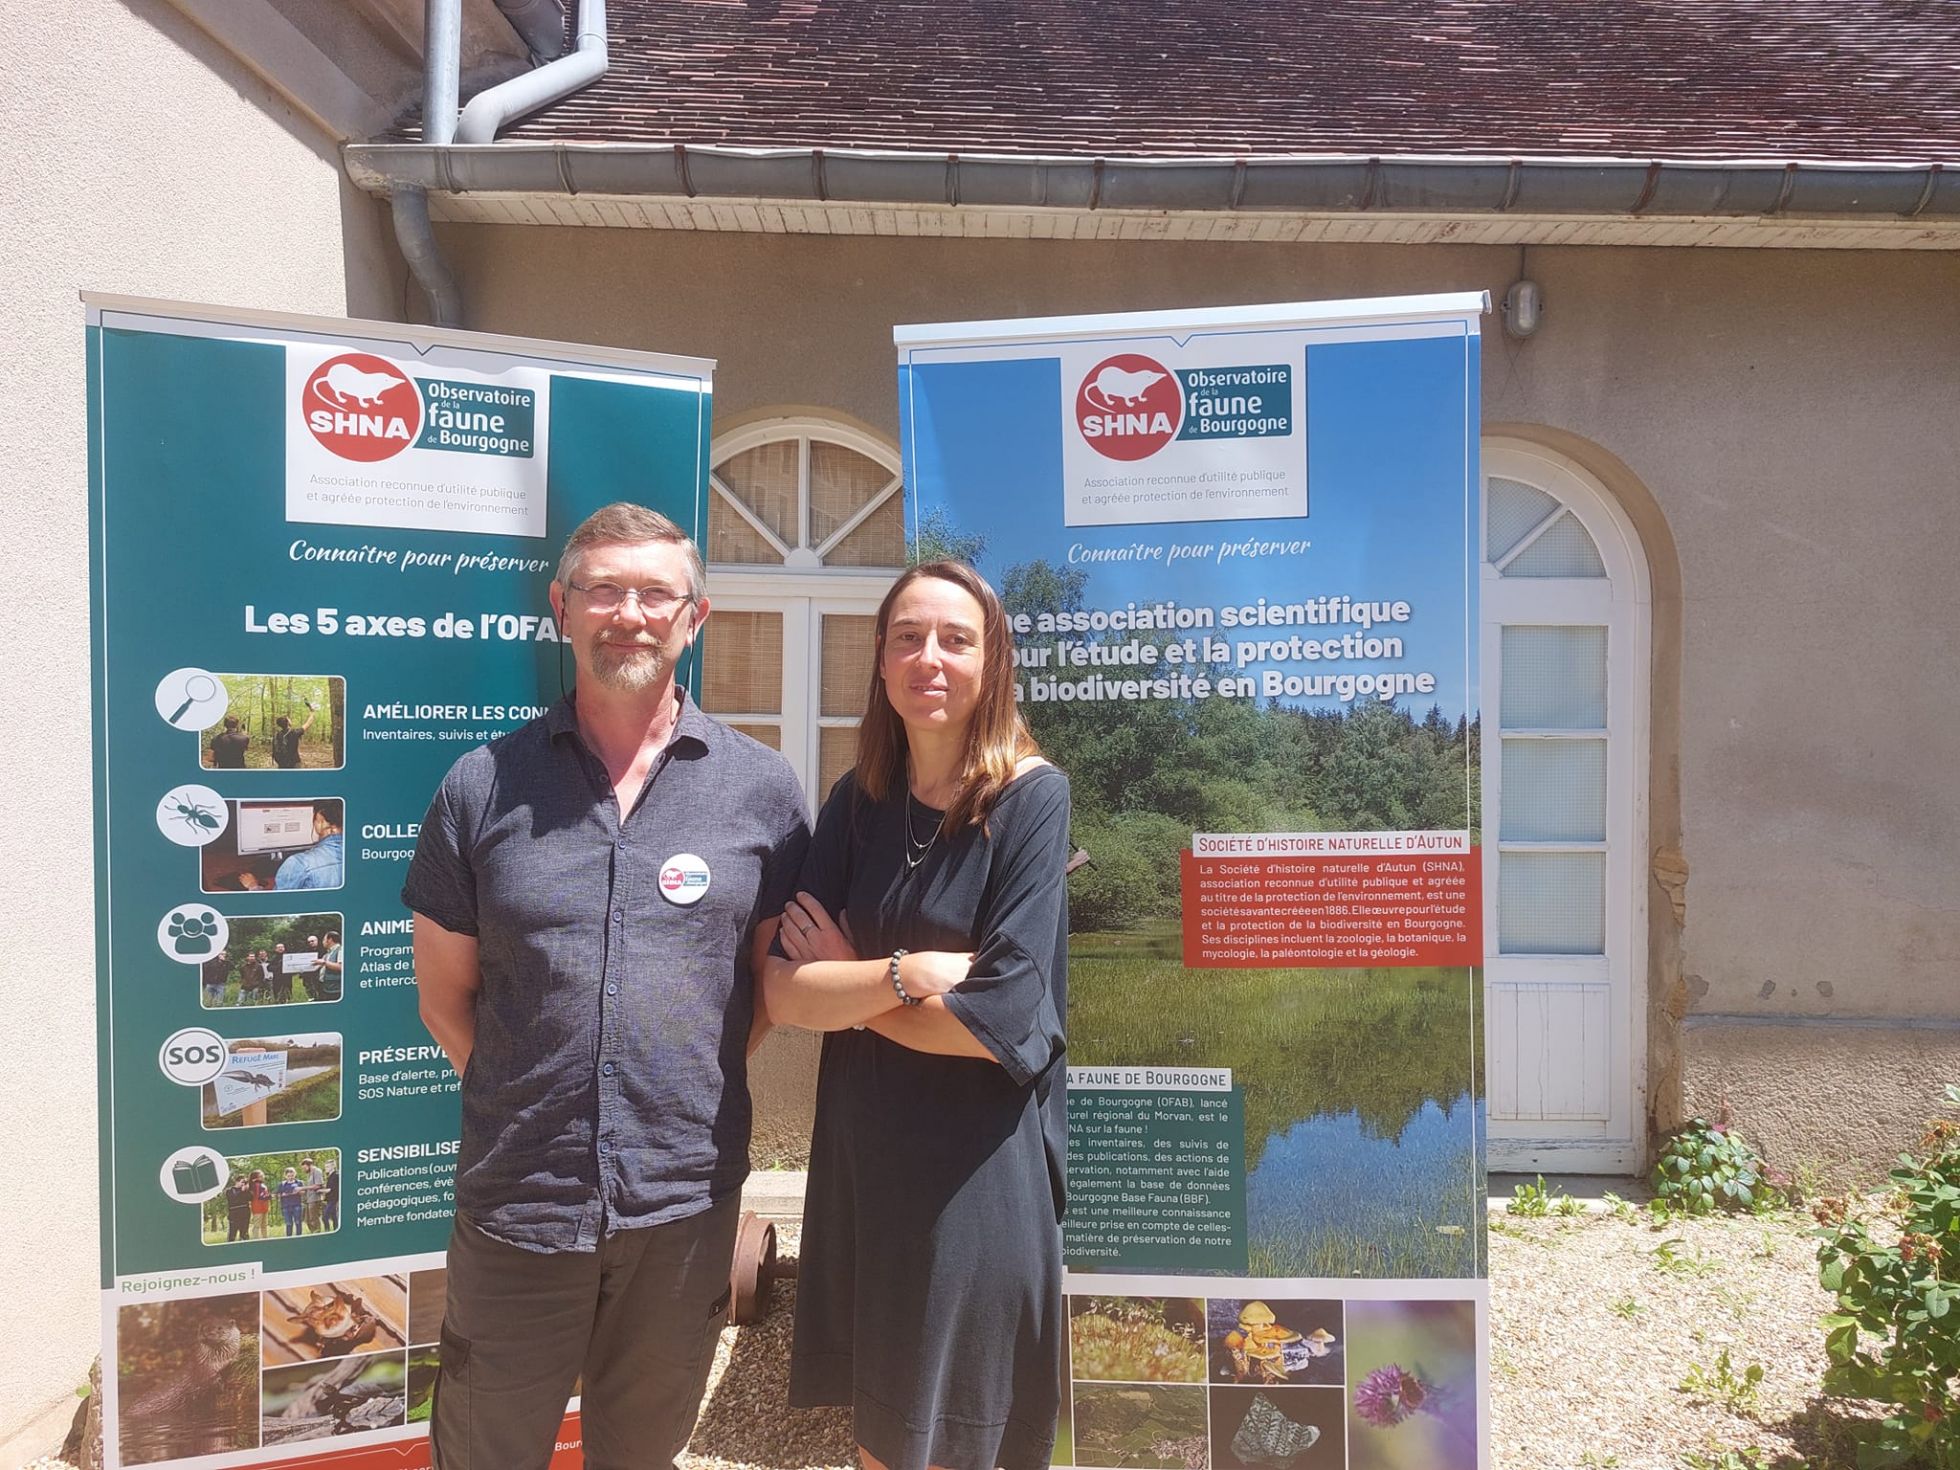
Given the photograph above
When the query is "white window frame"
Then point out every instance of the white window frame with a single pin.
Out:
(802, 590)
(1621, 602)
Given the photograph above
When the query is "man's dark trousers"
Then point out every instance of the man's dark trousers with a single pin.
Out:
(634, 1323)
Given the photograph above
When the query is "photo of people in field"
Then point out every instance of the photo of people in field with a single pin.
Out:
(275, 1196)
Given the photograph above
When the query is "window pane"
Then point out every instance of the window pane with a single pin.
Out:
(732, 539)
(879, 542)
(842, 481)
(1551, 902)
(1554, 791)
(1513, 508)
(848, 653)
(769, 735)
(1566, 550)
(742, 666)
(836, 753)
(1553, 679)
(764, 478)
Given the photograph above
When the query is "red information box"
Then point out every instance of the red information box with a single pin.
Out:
(1332, 911)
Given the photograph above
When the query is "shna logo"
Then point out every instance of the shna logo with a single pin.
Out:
(1129, 406)
(361, 407)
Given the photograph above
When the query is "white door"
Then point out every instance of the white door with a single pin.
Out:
(1564, 649)
(805, 532)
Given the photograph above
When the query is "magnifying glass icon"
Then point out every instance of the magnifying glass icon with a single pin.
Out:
(197, 689)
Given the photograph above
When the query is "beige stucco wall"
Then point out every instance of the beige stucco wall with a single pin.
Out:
(1781, 426)
(133, 158)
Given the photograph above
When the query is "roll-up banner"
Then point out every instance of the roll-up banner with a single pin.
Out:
(319, 554)
(1237, 546)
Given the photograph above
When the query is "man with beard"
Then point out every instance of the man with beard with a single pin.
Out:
(590, 894)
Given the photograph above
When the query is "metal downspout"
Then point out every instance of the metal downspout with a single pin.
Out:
(540, 25)
(442, 46)
(584, 65)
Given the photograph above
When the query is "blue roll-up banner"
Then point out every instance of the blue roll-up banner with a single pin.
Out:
(319, 556)
(1238, 546)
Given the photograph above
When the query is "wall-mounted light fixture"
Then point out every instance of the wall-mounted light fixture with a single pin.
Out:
(1523, 308)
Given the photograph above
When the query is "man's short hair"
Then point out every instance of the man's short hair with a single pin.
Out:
(329, 811)
(625, 524)
(283, 723)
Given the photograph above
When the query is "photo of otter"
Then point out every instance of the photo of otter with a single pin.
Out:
(1272, 1342)
(278, 722)
(331, 1319)
(347, 1396)
(187, 1378)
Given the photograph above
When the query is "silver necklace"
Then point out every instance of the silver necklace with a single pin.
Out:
(915, 851)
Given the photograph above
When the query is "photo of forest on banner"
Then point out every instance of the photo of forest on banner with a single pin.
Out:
(1362, 1096)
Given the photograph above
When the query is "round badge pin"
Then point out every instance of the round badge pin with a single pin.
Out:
(683, 879)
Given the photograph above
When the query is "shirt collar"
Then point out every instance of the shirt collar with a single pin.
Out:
(693, 723)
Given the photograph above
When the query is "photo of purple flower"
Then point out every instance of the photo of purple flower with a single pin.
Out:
(1413, 1370)
(1389, 1395)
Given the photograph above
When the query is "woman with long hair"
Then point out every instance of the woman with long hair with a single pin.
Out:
(929, 943)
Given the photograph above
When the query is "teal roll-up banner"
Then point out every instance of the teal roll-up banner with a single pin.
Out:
(319, 557)
(1239, 549)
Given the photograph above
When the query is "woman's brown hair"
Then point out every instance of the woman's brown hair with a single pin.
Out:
(996, 739)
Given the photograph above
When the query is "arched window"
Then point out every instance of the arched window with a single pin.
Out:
(1564, 649)
(806, 529)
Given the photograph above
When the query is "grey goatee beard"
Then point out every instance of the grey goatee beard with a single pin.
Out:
(628, 670)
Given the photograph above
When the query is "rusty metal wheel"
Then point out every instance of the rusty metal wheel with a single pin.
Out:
(752, 1275)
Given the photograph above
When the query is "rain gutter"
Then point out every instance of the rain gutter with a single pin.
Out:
(1321, 183)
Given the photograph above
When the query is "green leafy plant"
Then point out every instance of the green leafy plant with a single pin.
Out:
(1723, 1383)
(1895, 1336)
(1626, 1307)
(1707, 1167)
(1565, 1206)
(1622, 1210)
(1749, 1458)
(1534, 1200)
(1678, 1258)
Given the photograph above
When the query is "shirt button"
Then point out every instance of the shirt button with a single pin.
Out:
(607, 1069)
(612, 990)
(619, 916)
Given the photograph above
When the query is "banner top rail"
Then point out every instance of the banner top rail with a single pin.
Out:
(1467, 306)
(413, 336)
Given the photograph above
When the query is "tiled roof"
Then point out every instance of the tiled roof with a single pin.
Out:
(1852, 80)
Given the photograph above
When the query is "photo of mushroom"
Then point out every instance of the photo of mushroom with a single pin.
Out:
(1137, 1339)
(1272, 1342)
(1141, 1428)
(331, 1319)
(1278, 1429)
(347, 1396)
(187, 1378)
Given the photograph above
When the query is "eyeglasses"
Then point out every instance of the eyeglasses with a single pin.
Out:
(655, 602)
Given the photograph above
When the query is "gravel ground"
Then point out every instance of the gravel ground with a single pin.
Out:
(1596, 1321)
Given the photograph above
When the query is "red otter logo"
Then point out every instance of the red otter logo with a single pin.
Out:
(671, 879)
(361, 407)
(1129, 406)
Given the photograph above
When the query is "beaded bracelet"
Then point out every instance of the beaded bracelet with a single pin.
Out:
(899, 985)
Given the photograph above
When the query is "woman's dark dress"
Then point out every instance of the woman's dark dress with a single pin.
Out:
(930, 1290)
